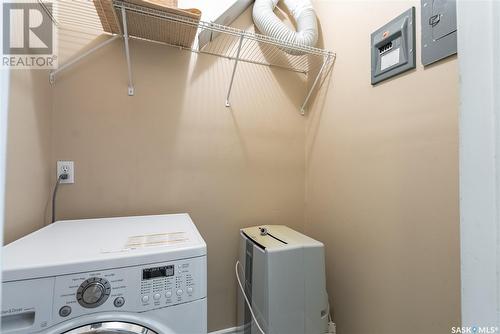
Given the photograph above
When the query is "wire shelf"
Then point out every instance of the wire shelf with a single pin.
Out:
(256, 48)
(218, 40)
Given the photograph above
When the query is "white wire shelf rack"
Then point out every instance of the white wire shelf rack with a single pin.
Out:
(226, 42)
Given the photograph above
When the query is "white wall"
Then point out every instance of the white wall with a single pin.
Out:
(479, 26)
(210, 10)
(4, 101)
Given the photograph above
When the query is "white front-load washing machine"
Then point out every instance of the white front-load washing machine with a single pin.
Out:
(127, 275)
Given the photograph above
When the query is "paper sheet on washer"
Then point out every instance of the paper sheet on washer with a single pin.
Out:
(151, 240)
(161, 239)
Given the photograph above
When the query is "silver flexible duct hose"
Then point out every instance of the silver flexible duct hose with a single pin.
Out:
(269, 24)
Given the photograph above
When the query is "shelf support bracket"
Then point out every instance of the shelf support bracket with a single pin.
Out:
(234, 70)
(315, 83)
(127, 53)
(53, 73)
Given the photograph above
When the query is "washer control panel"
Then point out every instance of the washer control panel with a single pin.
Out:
(166, 285)
(131, 289)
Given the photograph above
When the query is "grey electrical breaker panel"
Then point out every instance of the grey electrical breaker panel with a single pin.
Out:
(439, 30)
(393, 47)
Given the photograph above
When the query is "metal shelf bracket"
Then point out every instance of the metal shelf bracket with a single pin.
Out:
(234, 70)
(127, 53)
(326, 61)
(53, 73)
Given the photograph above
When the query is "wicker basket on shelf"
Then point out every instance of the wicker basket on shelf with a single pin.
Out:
(160, 29)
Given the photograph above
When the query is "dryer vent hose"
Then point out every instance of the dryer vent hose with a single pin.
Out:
(305, 17)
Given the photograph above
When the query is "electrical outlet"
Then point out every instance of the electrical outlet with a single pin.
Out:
(66, 167)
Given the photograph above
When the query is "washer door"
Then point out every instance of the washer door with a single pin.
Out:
(114, 327)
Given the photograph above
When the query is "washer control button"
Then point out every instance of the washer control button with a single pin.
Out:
(157, 296)
(65, 311)
(179, 292)
(189, 290)
(145, 299)
(119, 301)
(168, 294)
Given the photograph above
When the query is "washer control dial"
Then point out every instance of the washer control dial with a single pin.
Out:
(93, 292)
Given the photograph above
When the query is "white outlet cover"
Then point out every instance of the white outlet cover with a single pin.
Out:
(68, 167)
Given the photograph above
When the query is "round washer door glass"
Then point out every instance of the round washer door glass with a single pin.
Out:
(114, 327)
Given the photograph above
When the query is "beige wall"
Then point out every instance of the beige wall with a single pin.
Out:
(382, 182)
(175, 147)
(28, 152)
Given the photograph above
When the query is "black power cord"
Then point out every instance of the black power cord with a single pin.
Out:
(54, 194)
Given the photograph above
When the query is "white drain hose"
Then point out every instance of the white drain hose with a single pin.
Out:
(246, 298)
(305, 17)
